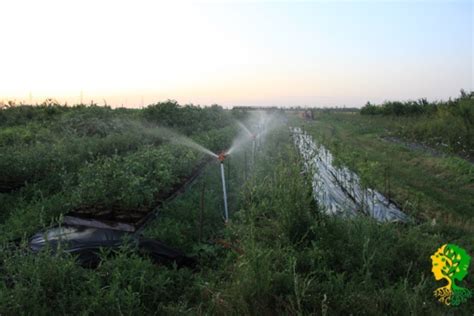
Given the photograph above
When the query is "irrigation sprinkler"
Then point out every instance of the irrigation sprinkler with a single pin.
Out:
(221, 158)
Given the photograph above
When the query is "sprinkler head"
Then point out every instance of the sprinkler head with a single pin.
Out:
(222, 156)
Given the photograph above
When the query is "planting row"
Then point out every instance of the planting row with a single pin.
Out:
(99, 161)
(339, 190)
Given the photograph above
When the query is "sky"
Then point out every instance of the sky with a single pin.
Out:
(281, 53)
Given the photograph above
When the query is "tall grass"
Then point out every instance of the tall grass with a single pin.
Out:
(277, 255)
(447, 125)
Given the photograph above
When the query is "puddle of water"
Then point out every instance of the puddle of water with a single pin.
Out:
(337, 189)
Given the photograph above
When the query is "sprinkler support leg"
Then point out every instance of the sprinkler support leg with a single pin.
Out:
(245, 164)
(253, 151)
(226, 213)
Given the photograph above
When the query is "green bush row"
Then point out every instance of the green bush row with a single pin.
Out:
(446, 125)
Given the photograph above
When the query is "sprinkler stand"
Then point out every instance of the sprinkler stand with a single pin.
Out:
(226, 212)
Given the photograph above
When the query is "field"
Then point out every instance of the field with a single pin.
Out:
(279, 253)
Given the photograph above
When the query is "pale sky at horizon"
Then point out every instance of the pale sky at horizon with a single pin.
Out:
(315, 53)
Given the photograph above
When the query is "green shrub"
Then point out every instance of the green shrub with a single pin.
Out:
(133, 181)
(188, 119)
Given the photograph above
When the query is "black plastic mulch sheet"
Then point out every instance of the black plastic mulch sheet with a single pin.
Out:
(86, 244)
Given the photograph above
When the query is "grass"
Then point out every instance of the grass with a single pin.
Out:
(446, 125)
(426, 186)
(278, 255)
(297, 261)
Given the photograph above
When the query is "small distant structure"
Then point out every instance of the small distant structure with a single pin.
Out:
(256, 108)
(306, 115)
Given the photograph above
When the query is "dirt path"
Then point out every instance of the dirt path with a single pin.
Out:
(422, 147)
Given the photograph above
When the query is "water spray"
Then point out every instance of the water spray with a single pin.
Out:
(222, 156)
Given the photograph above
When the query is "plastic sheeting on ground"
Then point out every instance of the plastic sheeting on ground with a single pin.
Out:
(86, 244)
(338, 190)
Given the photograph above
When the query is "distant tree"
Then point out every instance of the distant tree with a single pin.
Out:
(50, 102)
(369, 109)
